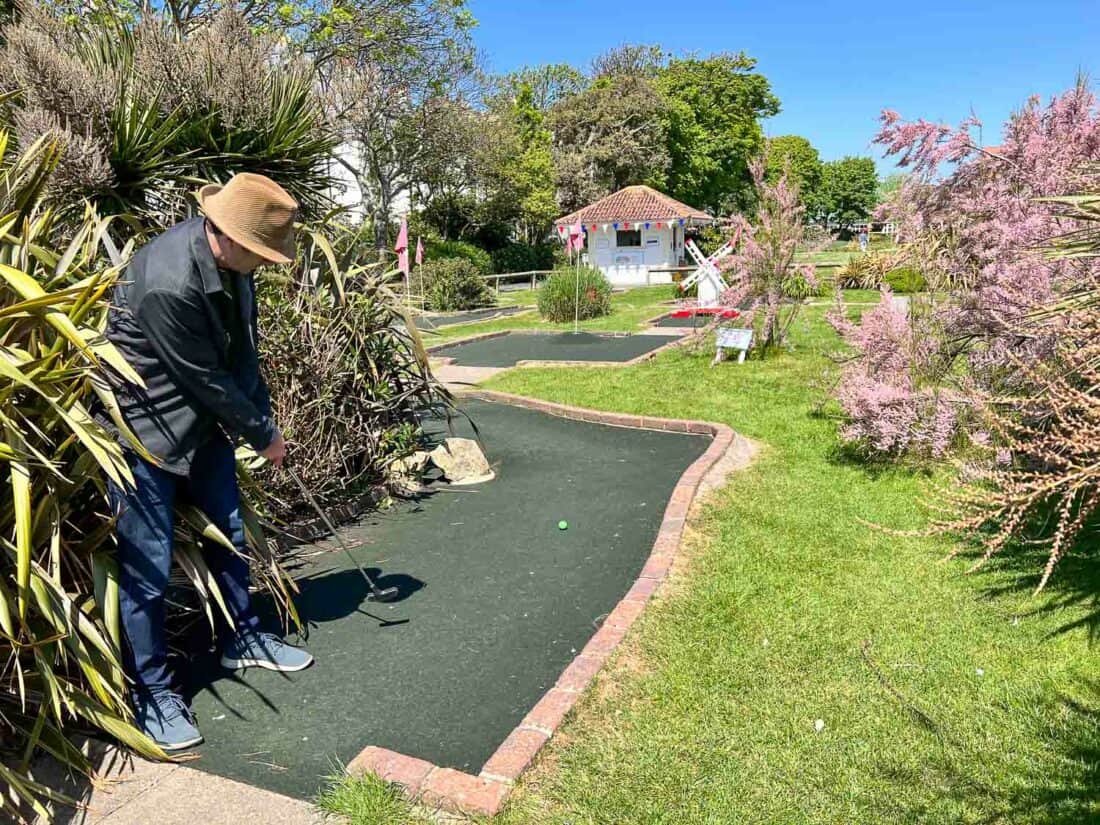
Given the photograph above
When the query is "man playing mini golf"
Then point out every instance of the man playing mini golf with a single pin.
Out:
(184, 317)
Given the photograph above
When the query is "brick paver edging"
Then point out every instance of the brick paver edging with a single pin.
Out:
(485, 793)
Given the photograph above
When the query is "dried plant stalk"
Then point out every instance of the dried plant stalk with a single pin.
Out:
(1039, 481)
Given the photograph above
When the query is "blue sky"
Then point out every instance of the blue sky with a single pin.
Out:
(834, 66)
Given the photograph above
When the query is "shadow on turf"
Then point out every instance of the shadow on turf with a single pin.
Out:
(874, 466)
(333, 595)
(1067, 793)
(1073, 589)
(327, 597)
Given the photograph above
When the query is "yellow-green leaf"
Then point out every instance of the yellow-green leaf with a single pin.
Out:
(21, 503)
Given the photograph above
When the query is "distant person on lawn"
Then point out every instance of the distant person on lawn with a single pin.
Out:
(863, 238)
(184, 317)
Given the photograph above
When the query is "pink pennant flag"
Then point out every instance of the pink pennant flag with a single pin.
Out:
(402, 247)
(576, 237)
(419, 252)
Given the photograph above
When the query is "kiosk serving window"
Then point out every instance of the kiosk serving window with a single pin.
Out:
(625, 238)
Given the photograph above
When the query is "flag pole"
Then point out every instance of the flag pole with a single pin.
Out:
(577, 295)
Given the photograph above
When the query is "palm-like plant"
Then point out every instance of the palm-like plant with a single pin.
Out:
(59, 619)
(147, 114)
(58, 588)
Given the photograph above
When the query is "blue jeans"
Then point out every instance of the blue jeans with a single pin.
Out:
(145, 527)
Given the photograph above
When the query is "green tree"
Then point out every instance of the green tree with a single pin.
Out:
(849, 190)
(490, 179)
(796, 156)
(391, 103)
(611, 135)
(548, 83)
(889, 185)
(714, 106)
(630, 60)
(526, 177)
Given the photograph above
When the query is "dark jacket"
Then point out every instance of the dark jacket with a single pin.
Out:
(167, 319)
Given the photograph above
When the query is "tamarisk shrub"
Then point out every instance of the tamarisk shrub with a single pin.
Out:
(891, 395)
(766, 285)
(977, 236)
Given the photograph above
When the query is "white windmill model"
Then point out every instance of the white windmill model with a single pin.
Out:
(707, 276)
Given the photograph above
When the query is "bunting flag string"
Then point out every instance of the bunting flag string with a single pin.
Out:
(564, 231)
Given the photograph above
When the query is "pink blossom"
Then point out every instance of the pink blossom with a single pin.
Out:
(977, 231)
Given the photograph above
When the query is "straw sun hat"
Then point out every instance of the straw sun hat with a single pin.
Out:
(254, 211)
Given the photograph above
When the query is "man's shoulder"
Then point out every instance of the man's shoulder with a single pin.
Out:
(167, 262)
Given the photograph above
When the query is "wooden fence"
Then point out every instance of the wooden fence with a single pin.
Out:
(532, 274)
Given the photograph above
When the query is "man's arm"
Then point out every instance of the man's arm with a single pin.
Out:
(262, 396)
(177, 329)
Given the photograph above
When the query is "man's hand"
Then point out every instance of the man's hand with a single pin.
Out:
(275, 452)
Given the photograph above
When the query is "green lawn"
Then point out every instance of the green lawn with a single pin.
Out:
(945, 697)
(629, 312)
(838, 253)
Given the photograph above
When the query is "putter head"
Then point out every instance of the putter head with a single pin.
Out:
(384, 594)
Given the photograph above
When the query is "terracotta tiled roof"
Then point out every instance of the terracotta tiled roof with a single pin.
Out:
(636, 203)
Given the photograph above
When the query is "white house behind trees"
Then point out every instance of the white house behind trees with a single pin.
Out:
(348, 192)
(632, 231)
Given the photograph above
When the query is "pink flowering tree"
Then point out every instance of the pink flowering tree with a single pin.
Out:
(977, 234)
(766, 285)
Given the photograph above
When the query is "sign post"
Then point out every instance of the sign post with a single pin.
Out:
(736, 339)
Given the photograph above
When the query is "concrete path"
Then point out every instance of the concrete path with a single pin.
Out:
(456, 377)
(136, 792)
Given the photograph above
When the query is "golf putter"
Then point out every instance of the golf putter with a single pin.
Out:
(379, 594)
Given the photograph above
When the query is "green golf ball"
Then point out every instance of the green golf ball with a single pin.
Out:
(563, 525)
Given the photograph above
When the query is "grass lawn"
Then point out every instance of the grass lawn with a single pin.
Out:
(838, 253)
(629, 312)
(945, 697)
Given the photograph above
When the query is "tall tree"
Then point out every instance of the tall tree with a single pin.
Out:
(714, 105)
(451, 166)
(517, 173)
(548, 83)
(796, 157)
(849, 189)
(630, 60)
(889, 185)
(374, 29)
(389, 104)
(609, 136)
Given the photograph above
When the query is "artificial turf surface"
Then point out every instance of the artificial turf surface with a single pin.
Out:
(688, 322)
(506, 350)
(498, 602)
(943, 697)
(436, 321)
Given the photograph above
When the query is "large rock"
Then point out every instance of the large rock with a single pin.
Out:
(407, 472)
(462, 461)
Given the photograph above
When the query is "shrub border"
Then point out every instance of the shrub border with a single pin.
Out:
(485, 793)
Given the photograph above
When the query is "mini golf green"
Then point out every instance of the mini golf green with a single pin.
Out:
(506, 350)
(499, 601)
(437, 321)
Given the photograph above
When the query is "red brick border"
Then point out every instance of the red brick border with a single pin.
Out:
(486, 793)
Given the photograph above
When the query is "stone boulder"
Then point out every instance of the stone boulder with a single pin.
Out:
(407, 472)
(461, 461)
